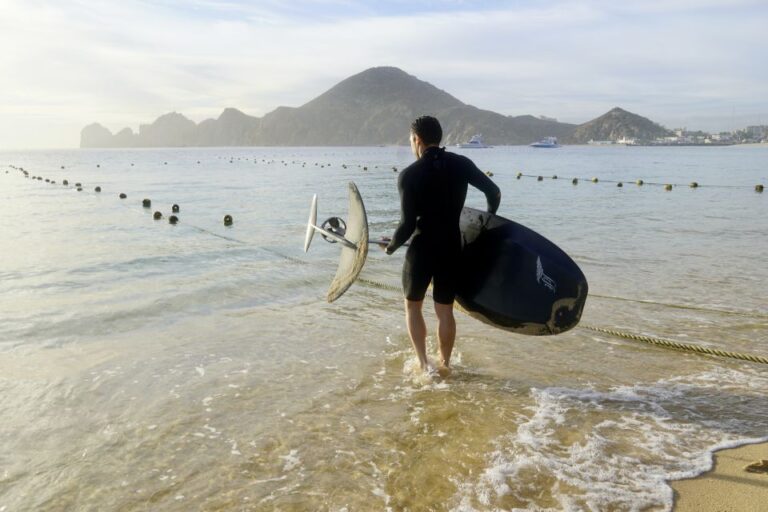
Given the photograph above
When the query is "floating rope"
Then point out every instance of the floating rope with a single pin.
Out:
(686, 347)
(376, 284)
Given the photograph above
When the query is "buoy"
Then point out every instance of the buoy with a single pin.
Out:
(554, 177)
(62, 166)
(123, 196)
(227, 220)
(47, 180)
(575, 181)
(173, 219)
(78, 184)
(667, 187)
(165, 163)
(53, 182)
(39, 178)
(365, 168)
(488, 173)
(65, 182)
(98, 165)
(146, 203)
(79, 189)
(540, 178)
(594, 180)
(619, 184)
(640, 183)
(758, 188)
(175, 208)
(97, 189)
(131, 165)
(694, 184)
(157, 215)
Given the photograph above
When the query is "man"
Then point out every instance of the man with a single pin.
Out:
(432, 194)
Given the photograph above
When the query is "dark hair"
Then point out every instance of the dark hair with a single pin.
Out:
(428, 129)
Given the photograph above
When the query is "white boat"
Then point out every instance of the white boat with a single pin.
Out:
(474, 142)
(547, 142)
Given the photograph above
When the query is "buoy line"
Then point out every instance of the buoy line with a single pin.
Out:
(639, 182)
(659, 342)
(175, 208)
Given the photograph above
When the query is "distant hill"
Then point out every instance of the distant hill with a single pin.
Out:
(371, 108)
(615, 125)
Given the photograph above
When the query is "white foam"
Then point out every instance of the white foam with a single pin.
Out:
(291, 460)
(617, 448)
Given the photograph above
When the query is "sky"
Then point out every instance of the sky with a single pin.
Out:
(699, 64)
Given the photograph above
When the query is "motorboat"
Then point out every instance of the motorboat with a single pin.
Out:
(475, 142)
(547, 142)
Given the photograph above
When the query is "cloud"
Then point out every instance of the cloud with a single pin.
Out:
(122, 63)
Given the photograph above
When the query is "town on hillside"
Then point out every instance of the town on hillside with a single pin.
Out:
(682, 137)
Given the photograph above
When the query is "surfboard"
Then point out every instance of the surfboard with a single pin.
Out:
(510, 276)
(516, 279)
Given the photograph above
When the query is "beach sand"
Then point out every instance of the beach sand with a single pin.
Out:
(727, 487)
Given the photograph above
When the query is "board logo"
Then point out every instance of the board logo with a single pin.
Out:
(543, 278)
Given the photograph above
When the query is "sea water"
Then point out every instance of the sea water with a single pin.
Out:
(150, 366)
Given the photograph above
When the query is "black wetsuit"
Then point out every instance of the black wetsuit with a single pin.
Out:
(432, 194)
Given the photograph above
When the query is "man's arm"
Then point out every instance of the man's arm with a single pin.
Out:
(407, 215)
(479, 180)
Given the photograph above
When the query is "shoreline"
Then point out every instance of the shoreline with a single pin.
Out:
(727, 486)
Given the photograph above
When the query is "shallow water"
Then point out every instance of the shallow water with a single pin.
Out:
(145, 366)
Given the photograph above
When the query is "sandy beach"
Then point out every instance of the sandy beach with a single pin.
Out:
(728, 487)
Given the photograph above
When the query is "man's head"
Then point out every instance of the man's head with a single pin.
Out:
(425, 132)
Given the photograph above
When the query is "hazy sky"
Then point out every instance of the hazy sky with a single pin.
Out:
(702, 64)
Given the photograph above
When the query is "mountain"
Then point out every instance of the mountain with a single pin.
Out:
(370, 108)
(618, 124)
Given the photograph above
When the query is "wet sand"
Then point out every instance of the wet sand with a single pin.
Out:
(728, 487)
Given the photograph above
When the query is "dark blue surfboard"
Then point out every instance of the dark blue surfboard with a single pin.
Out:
(515, 279)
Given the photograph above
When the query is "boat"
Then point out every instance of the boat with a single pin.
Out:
(475, 142)
(547, 142)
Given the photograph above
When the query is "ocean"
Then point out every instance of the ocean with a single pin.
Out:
(196, 366)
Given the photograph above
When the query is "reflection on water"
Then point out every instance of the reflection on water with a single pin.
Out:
(145, 366)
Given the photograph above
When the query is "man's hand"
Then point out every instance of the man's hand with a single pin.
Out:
(384, 242)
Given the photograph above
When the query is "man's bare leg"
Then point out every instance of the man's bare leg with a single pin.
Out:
(446, 331)
(417, 329)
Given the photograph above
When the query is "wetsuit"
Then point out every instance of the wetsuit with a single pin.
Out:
(432, 194)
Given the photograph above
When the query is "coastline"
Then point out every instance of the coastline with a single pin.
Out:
(727, 487)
